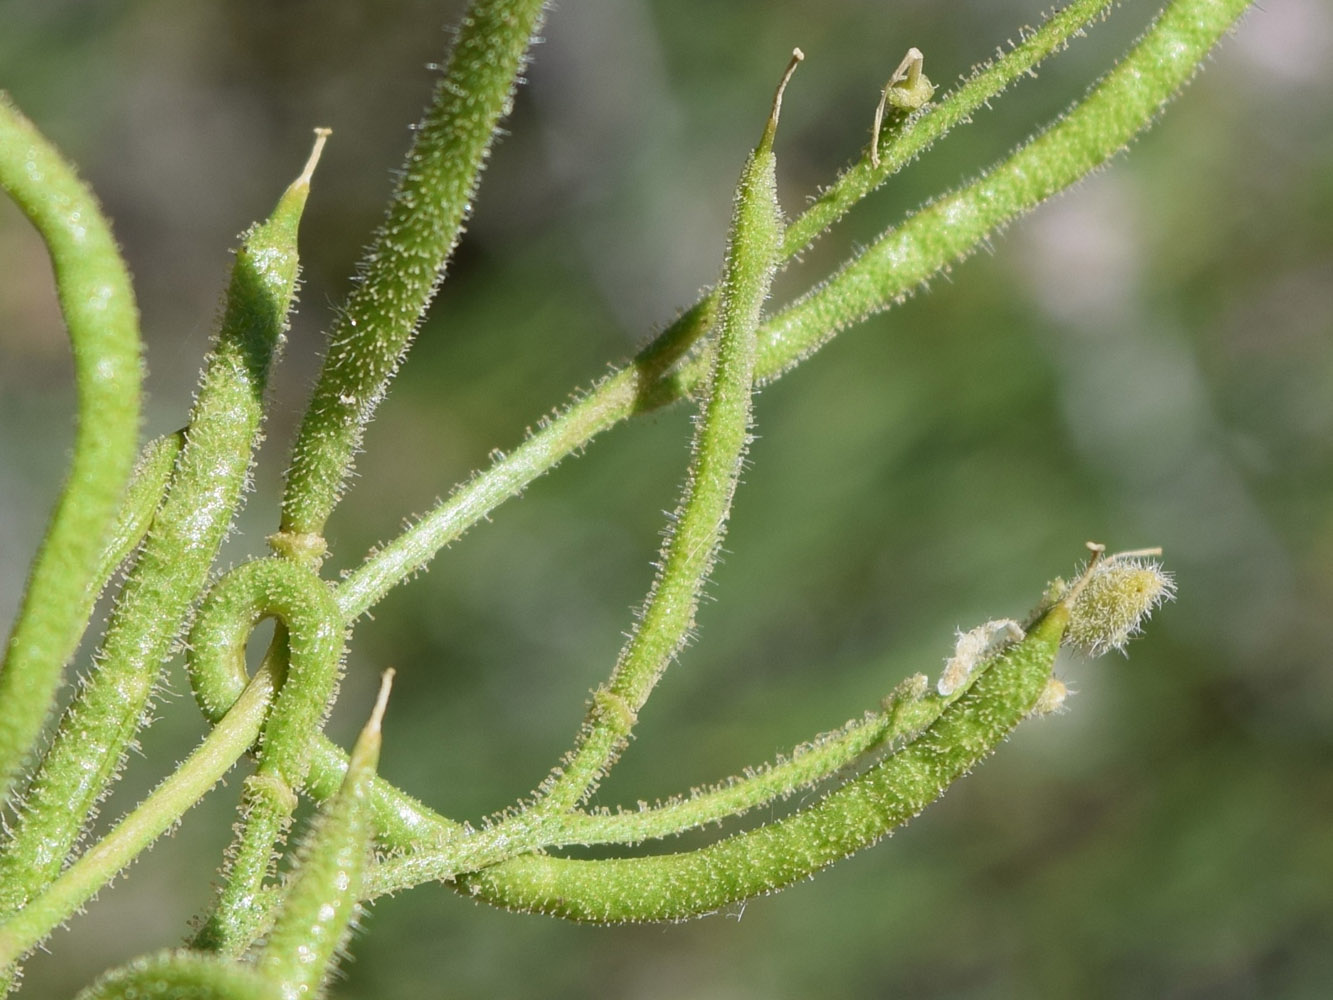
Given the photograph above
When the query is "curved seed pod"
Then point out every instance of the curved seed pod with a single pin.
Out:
(180, 975)
(695, 531)
(173, 565)
(860, 812)
(319, 907)
(290, 592)
(97, 301)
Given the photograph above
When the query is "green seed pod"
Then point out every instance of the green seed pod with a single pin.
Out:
(403, 266)
(317, 912)
(856, 814)
(97, 302)
(187, 529)
(179, 975)
(695, 531)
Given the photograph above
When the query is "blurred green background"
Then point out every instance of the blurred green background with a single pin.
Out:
(1146, 360)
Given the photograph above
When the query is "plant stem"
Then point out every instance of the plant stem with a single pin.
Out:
(220, 749)
(641, 386)
(858, 813)
(907, 712)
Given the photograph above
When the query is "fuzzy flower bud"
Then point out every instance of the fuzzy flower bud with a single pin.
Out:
(1114, 602)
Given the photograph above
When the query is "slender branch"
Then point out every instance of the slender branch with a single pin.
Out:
(640, 385)
(911, 708)
(97, 301)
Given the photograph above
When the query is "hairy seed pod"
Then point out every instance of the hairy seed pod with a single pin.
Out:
(696, 529)
(856, 814)
(316, 915)
(97, 302)
(207, 483)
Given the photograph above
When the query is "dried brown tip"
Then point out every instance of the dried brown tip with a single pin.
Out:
(381, 701)
(770, 130)
(321, 137)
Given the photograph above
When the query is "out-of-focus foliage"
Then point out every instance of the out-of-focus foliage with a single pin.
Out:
(1145, 361)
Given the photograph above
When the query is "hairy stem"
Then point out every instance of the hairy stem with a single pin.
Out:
(641, 385)
(909, 710)
(221, 748)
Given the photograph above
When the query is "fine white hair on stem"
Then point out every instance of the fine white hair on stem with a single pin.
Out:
(972, 648)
